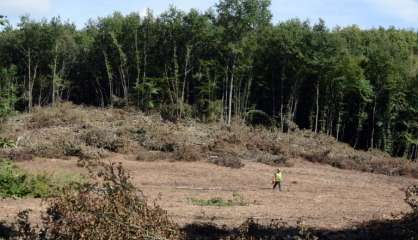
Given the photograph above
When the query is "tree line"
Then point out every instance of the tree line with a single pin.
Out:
(230, 62)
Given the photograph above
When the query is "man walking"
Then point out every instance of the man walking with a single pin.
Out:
(278, 179)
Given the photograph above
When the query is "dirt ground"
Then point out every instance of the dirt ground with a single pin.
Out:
(324, 197)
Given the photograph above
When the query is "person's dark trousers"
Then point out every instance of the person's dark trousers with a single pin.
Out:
(277, 184)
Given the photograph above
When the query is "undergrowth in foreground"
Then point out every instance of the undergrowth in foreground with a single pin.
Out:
(15, 182)
(108, 207)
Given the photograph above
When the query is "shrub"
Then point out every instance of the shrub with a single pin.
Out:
(60, 115)
(209, 111)
(102, 138)
(188, 153)
(13, 182)
(17, 183)
(7, 143)
(411, 198)
(273, 160)
(72, 149)
(226, 160)
(258, 117)
(173, 112)
(364, 162)
(155, 140)
(107, 208)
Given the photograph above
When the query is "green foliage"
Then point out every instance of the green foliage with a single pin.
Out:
(15, 182)
(8, 91)
(6, 143)
(357, 85)
(147, 92)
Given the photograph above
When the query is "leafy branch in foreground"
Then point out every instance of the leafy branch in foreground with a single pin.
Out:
(108, 207)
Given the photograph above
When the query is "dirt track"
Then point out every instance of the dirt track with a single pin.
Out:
(323, 196)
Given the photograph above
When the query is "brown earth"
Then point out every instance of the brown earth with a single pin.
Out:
(323, 196)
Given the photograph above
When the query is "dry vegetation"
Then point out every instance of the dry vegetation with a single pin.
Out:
(108, 208)
(91, 134)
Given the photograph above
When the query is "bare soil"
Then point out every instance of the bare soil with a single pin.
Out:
(323, 196)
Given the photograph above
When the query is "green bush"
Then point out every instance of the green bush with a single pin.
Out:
(15, 182)
(6, 143)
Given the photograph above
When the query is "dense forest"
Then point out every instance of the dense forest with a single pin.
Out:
(228, 63)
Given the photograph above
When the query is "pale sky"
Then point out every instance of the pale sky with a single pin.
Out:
(365, 13)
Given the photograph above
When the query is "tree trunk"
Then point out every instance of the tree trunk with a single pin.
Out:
(176, 81)
(123, 67)
(282, 76)
(100, 93)
(30, 81)
(317, 108)
(247, 93)
(54, 75)
(144, 67)
(109, 77)
(273, 87)
(186, 72)
(138, 68)
(40, 94)
(224, 94)
(231, 91)
(373, 124)
(170, 93)
(238, 98)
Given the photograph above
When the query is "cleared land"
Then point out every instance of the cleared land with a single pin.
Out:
(323, 196)
(213, 161)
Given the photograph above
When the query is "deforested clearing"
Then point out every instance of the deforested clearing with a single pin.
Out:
(177, 166)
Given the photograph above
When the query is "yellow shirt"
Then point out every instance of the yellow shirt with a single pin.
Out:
(278, 177)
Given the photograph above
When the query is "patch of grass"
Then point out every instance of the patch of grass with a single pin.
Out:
(15, 182)
(63, 180)
(237, 200)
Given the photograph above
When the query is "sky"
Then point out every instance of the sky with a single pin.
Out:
(364, 13)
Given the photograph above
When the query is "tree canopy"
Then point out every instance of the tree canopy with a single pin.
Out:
(360, 86)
